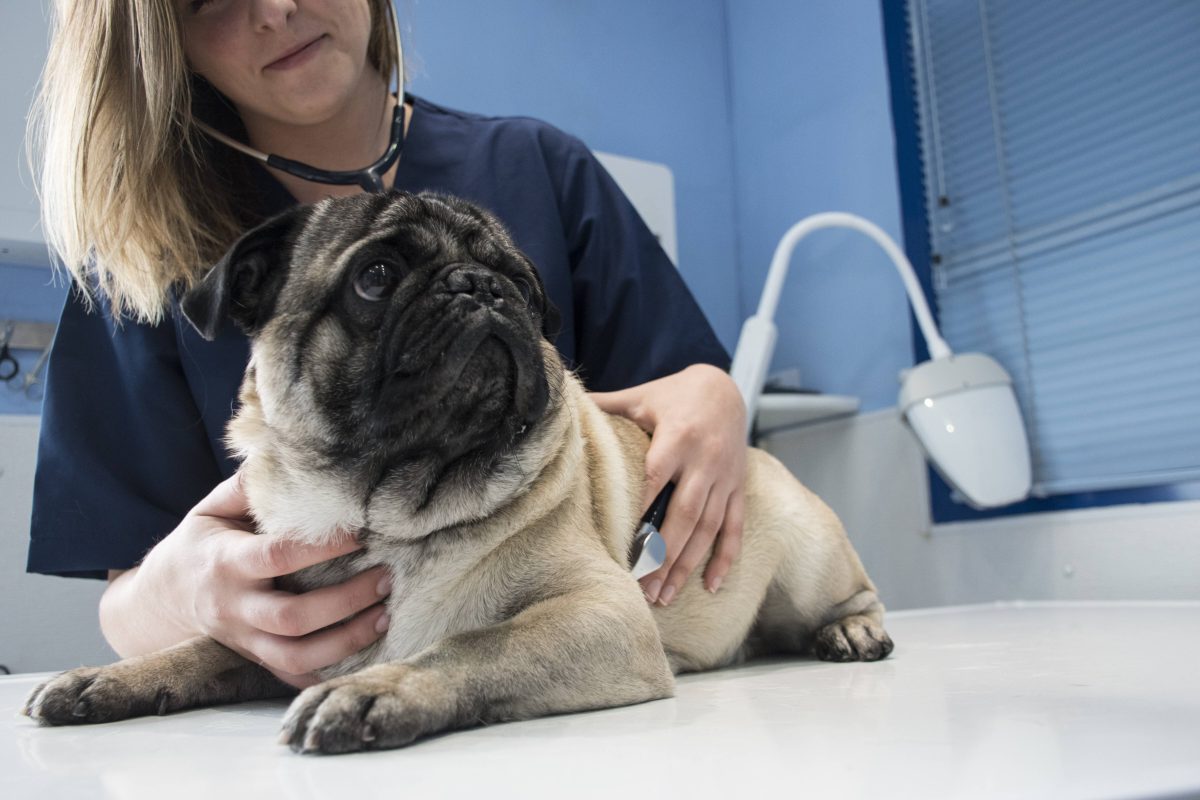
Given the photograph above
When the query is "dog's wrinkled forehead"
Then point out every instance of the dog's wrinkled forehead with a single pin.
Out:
(421, 228)
(394, 245)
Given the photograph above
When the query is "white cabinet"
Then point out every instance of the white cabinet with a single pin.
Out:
(24, 32)
(651, 188)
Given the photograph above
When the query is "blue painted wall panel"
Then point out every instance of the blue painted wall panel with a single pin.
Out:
(813, 132)
(639, 79)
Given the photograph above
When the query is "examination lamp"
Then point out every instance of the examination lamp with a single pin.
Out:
(961, 409)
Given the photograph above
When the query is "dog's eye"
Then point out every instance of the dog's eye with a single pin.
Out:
(377, 281)
(523, 287)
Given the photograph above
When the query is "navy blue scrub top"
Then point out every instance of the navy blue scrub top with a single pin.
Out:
(133, 416)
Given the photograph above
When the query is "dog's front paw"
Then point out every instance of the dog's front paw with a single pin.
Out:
(92, 694)
(386, 706)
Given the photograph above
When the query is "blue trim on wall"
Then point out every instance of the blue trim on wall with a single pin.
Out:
(916, 244)
(908, 160)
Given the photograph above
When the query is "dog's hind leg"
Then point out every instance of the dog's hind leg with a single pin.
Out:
(192, 674)
(850, 631)
(820, 599)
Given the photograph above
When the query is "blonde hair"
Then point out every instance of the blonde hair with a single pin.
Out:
(134, 198)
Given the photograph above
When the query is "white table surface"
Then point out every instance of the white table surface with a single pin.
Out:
(1038, 700)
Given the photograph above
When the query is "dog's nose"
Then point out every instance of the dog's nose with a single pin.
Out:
(476, 282)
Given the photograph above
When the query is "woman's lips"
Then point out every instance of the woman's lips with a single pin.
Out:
(298, 57)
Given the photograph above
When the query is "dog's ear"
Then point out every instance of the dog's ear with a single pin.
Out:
(243, 285)
(551, 319)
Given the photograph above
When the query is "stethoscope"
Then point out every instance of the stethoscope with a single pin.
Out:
(370, 178)
(648, 550)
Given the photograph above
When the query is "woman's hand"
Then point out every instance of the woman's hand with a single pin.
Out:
(213, 576)
(698, 422)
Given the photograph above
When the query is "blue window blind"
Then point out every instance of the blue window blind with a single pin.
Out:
(1061, 154)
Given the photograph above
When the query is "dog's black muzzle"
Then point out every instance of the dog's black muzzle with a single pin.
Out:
(469, 331)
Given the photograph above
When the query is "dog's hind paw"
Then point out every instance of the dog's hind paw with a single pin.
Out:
(855, 638)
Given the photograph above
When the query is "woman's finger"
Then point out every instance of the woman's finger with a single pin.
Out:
(617, 402)
(660, 470)
(269, 556)
(289, 614)
(300, 656)
(630, 403)
(729, 541)
(683, 512)
(298, 681)
(302, 681)
(698, 545)
(226, 500)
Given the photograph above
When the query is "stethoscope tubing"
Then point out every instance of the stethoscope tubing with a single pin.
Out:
(370, 177)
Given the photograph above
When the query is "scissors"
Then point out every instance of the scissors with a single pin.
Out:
(32, 383)
(8, 365)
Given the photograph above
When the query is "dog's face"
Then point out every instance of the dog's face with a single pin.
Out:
(398, 340)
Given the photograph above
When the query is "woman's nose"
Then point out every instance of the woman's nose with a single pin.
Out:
(271, 14)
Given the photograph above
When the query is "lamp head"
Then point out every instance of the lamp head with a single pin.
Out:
(964, 413)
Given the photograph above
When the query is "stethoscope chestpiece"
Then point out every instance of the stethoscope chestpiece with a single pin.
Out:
(648, 550)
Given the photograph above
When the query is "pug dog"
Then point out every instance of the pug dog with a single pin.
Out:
(401, 385)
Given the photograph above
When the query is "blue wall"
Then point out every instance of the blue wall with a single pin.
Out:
(765, 110)
(640, 79)
(813, 132)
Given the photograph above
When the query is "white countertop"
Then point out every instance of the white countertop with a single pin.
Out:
(1040, 700)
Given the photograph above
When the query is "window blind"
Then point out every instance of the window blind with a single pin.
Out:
(1061, 155)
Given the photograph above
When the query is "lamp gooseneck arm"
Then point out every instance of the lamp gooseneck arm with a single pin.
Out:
(757, 341)
(837, 219)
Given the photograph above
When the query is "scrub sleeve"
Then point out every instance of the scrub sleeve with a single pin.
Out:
(122, 453)
(134, 414)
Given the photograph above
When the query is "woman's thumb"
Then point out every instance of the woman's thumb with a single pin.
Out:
(227, 499)
(613, 402)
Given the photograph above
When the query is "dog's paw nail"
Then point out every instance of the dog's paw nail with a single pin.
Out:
(285, 736)
(368, 734)
(312, 741)
(80, 709)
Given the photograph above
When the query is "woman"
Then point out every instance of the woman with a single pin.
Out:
(138, 198)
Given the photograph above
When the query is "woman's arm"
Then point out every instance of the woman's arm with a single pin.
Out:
(132, 626)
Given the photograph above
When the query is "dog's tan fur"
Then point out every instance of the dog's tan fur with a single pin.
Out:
(510, 601)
